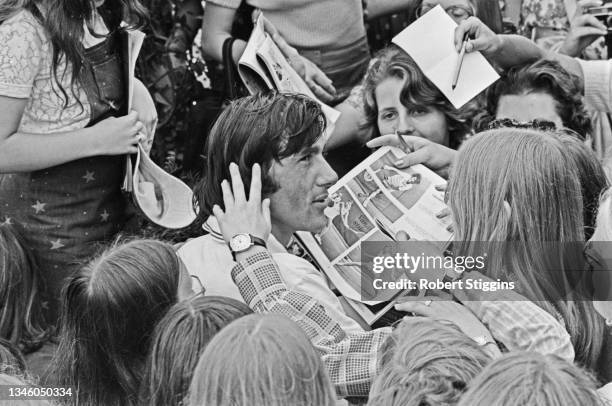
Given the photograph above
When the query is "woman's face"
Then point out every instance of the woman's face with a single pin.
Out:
(528, 107)
(425, 121)
(458, 10)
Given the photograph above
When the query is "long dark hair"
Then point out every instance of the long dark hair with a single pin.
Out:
(109, 311)
(21, 320)
(178, 341)
(63, 23)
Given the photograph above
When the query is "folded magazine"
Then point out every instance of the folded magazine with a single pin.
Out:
(376, 202)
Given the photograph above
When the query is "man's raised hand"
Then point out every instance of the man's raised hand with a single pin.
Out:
(242, 216)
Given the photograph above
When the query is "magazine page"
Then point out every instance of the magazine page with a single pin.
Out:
(377, 202)
(251, 71)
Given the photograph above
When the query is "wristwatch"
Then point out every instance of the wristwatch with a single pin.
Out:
(242, 242)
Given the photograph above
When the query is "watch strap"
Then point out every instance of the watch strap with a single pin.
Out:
(254, 241)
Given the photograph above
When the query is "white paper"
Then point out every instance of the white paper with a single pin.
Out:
(430, 42)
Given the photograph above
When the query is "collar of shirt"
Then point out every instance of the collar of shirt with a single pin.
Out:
(212, 227)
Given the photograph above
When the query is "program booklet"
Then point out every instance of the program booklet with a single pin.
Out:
(263, 66)
(376, 202)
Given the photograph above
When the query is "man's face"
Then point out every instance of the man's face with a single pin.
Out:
(303, 180)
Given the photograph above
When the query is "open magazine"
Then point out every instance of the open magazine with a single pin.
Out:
(263, 66)
(376, 202)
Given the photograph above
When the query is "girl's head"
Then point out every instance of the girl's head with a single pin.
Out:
(177, 343)
(398, 97)
(426, 362)
(20, 310)
(515, 184)
(525, 378)
(261, 360)
(520, 190)
(110, 308)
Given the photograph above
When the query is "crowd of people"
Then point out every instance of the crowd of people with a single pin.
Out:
(101, 316)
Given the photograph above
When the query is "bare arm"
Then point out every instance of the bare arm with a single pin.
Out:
(507, 50)
(23, 152)
(216, 28)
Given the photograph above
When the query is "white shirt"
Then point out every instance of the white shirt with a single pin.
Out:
(209, 258)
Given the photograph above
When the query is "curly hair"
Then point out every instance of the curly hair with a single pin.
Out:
(393, 62)
(547, 77)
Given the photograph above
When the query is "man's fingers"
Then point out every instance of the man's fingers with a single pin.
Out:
(265, 208)
(217, 212)
(237, 185)
(255, 191)
(228, 197)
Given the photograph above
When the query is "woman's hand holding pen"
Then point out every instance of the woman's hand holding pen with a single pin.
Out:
(481, 37)
(419, 151)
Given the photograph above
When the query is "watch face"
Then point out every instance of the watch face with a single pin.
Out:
(240, 242)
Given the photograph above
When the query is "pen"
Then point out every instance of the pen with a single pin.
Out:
(459, 62)
(403, 142)
(384, 229)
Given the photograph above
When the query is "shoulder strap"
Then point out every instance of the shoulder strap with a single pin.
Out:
(230, 69)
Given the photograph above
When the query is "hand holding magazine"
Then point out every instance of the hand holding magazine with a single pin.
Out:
(162, 198)
(377, 202)
(263, 66)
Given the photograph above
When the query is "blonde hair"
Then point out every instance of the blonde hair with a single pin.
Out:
(426, 362)
(261, 360)
(519, 189)
(526, 378)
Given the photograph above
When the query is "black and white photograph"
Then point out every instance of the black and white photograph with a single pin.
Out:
(187, 188)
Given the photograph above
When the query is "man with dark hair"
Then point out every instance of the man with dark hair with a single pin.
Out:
(284, 134)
